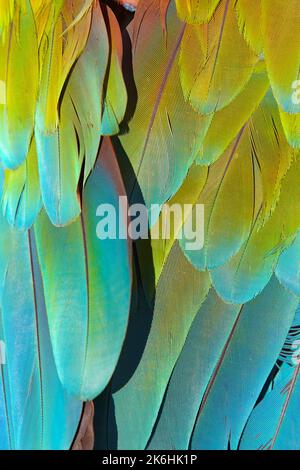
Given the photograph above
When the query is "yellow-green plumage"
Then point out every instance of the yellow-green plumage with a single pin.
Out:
(203, 97)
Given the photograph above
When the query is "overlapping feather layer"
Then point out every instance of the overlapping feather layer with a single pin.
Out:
(209, 358)
(217, 123)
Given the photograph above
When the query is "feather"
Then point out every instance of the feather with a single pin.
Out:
(281, 31)
(249, 14)
(37, 413)
(187, 195)
(164, 5)
(89, 74)
(77, 136)
(115, 96)
(5, 249)
(288, 267)
(291, 126)
(215, 61)
(21, 194)
(89, 295)
(272, 424)
(18, 51)
(59, 50)
(42, 10)
(164, 134)
(7, 8)
(84, 7)
(248, 272)
(254, 165)
(196, 348)
(75, 140)
(227, 123)
(254, 342)
(193, 11)
(196, 364)
(56, 137)
(59, 161)
(223, 217)
(180, 292)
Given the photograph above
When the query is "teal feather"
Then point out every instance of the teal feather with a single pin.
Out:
(243, 367)
(22, 199)
(288, 267)
(60, 166)
(75, 139)
(202, 349)
(180, 292)
(88, 299)
(89, 74)
(247, 273)
(273, 423)
(36, 412)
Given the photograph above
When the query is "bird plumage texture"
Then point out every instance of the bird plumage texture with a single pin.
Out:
(186, 102)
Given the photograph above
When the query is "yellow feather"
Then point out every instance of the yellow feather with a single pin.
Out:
(187, 195)
(21, 192)
(7, 8)
(291, 125)
(281, 29)
(19, 79)
(195, 11)
(60, 47)
(215, 61)
(249, 20)
(227, 122)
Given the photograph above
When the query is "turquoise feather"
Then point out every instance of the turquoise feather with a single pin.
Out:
(36, 412)
(75, 138)
(86, 88)
(21, 200)
(202, 349)
(88, 299)
(244, 364)
(272, 423)
(180, 292)
(60, 167)
(288, 267)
